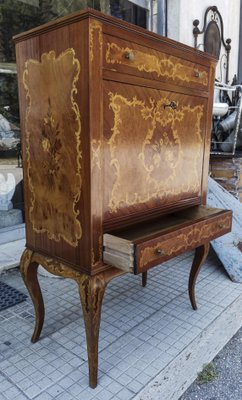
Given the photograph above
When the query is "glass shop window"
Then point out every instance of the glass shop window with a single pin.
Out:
(130, 12)
(20, 15)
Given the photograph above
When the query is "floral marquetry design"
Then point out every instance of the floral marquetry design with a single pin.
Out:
(159, 151)
(53, 153)
(52, 147)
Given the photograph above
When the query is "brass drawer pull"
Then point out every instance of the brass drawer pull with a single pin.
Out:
(221, 226)
(172, 105)
(129, 55)
(160, 252)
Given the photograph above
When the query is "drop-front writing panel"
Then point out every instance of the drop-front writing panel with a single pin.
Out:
(153, 146)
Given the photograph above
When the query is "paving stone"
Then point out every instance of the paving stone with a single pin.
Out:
(125, 394)
(11, 393)
(44, 396)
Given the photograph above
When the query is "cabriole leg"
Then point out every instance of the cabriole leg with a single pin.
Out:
(201, 253)
(91, 293)
(28, 270)
(91, 289)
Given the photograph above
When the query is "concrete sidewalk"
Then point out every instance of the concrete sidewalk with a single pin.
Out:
(227, 385)
(152, 344)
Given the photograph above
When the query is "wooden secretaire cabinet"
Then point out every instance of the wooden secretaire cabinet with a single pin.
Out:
(115, 127)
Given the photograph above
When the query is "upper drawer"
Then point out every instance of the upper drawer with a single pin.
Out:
(131, 58)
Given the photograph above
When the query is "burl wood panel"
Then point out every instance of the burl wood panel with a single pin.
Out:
(53, 157)
(139, 60)
(153, 153)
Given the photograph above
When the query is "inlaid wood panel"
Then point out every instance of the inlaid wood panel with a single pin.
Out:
(152, 152)
(53, 156)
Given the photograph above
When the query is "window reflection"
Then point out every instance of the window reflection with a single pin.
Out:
(17, 16)
(129, 12)
(20, 15)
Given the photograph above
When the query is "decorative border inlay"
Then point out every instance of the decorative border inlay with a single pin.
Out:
(96, 153)
(95, 26)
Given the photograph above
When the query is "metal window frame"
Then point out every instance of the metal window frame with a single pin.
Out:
(161, 14)
(148, 6)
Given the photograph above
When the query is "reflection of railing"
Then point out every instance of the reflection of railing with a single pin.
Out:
(227, 130)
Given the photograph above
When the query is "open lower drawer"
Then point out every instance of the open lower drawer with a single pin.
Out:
(141, 247)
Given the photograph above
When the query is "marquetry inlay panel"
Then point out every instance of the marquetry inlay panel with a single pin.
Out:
(149, 148)
(53, 157)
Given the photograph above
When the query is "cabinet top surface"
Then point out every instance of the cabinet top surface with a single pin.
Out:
(91, 13)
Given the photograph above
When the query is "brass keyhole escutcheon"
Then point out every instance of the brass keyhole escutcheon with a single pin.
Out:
(129, 55)
(172, 105)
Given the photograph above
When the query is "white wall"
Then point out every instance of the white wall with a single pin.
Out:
(181, 14)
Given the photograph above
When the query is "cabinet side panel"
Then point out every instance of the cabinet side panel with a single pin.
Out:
(53, 94)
